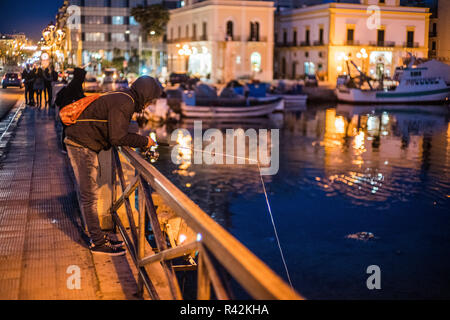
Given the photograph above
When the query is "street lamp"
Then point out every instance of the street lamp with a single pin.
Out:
(185, 51)
(52, 38)
(362, 54)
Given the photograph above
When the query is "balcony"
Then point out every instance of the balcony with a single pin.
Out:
(432, 34)
(257, 39)
(319, 43)
(286, 44)
(232, 38)
(188, 39)
(305, 44)
(382, 43)
(352, 43)
(410, 44)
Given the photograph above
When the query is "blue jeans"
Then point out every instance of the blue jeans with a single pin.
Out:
(85, 167)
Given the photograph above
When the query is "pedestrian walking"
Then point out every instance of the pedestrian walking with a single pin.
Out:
(39, 85)
(104, 124)
(49, 78)
(27, 78)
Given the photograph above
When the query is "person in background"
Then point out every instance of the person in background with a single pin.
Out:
(50, 76)
(39, 85)
(27, 76)
(70, 93)
(102, 125)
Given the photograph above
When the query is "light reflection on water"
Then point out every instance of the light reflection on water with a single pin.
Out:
(342, 169)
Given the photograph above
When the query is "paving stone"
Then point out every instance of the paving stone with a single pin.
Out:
(40, 233)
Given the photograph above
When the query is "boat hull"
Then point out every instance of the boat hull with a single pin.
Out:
(292, 101)
(225, 112)
(365, 96)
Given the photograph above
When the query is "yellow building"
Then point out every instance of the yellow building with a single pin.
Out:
(443, 26)
(222, 40)
(322, 39)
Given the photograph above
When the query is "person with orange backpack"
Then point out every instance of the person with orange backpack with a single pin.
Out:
(97, 123)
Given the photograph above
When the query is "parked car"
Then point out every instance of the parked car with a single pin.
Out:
(311, 80)
(120, 84)
(91, 84)
(12, 79)
(175, 78)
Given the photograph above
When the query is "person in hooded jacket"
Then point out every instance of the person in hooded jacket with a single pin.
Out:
(102, 125)
(70, 93)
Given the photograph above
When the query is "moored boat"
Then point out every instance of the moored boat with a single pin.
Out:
(223, 108)
(413, 86)
(292, 101)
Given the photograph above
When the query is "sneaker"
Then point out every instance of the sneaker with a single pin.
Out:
(114, 243)
(107, 249)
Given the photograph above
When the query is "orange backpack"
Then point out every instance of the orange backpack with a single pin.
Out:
(70, 113)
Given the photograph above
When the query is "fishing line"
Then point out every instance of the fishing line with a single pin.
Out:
(265, 194)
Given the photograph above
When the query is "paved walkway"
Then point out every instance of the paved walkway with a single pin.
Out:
(40, 234)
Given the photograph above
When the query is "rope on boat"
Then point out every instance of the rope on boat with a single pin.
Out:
(267, 202)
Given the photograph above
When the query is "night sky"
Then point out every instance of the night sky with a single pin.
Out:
(28, 16)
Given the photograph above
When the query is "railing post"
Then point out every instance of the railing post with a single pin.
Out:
(203, 281)
(141, 234)
(113, 187)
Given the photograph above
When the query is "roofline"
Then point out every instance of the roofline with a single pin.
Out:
(231, 3)
(353, 6)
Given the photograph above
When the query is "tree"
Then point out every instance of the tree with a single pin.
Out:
(153, 19)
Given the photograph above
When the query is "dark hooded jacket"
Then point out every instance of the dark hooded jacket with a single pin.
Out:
(73, 91)
(117, 108)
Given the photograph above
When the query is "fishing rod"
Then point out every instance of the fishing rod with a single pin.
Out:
(152, 155)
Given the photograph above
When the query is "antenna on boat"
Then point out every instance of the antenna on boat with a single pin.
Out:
(412, 59)
(363, 76)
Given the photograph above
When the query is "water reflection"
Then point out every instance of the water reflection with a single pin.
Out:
(371, 155)
(344, 170)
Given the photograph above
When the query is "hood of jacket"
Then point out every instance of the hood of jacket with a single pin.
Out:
(79, 75)
(144, 90)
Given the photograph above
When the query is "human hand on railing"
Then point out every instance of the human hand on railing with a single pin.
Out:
(151, 142)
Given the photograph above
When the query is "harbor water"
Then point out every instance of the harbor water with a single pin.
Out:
(357, 186)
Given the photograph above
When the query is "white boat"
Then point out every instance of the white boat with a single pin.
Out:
(292, 101)
(256, 108)
(412, 87)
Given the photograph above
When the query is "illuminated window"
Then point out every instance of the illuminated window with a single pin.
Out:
(117, 37)
(95, 36)
(255, 60)
(133, 21)
(118, 20)
(94, 19)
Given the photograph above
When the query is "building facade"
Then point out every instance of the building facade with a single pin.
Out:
(442, 26)
(104, 29)
(323, 39)
(222, 40)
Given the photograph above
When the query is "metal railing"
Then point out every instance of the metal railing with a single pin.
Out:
(382, 43)
(411, 44)
(352, 42)
(219, 255)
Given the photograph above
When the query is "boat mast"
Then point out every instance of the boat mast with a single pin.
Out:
(363, 76)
